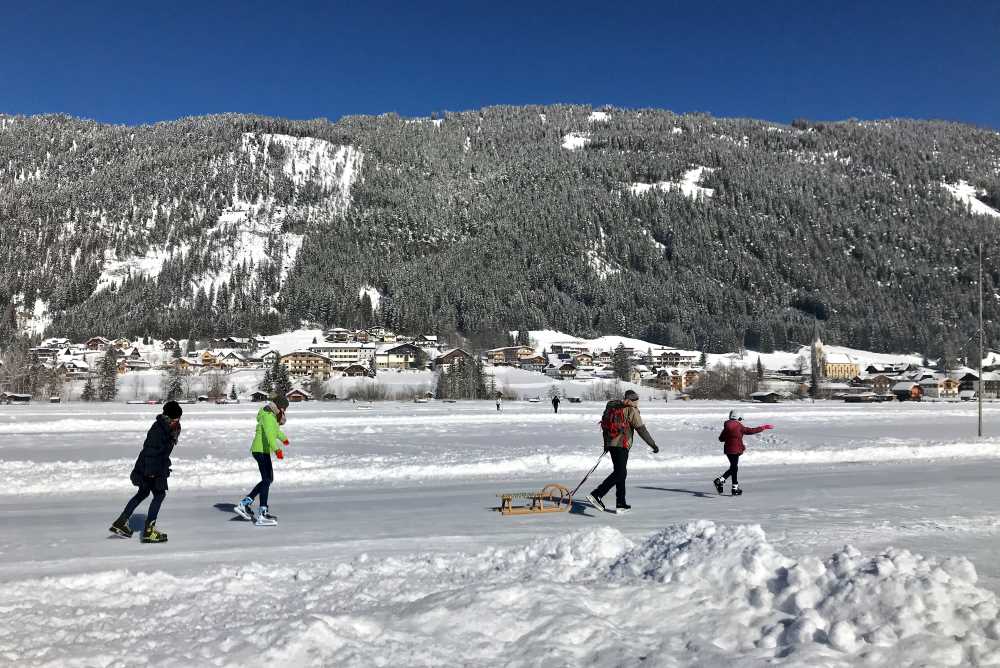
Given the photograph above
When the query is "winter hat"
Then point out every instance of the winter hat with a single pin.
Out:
(735, 414)
(631, 395)
(280, 401)
(173, 410)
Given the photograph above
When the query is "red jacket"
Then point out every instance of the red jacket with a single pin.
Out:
(732, 436)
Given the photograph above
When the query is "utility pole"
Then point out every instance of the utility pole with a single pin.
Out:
(982, 383)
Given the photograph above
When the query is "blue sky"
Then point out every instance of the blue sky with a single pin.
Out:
(125, 63)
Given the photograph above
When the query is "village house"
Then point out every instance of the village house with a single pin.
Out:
(338, 335)
(189, 364)
(562, 371)
(269, 357)
(881, 384)
(446, 359)
(297, 394)
(427, 341)
(356, 371)
(397, 356)
(583, 359)
(534, 363)
(674, 358)
(347, 352)
(569, 348)
(307, 363)
(169, 344)
(508, 355)
(98, 343)
(907, 391)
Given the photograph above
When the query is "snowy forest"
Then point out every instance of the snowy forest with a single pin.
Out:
(480, 222)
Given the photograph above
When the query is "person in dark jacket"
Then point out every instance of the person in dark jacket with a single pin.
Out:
(555, 404)
(732, 435)
(150, 473)
(620, 422)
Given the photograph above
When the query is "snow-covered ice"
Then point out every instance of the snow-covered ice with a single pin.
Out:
(867, 535)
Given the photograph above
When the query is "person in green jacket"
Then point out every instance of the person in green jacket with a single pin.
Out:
(268, 438)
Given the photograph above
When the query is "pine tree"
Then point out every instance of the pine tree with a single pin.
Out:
(175, 384)
(89, 393)
(107, 373)
(760, 369)
(703, 360)
(267, 384)
(279, 373)
(232, 392)
(621, 363)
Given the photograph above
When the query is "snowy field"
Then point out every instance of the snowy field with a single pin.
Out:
(867, 536)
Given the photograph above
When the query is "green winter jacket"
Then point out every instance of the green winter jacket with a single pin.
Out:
(269, 437)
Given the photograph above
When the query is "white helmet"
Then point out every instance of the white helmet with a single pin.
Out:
(735, 414)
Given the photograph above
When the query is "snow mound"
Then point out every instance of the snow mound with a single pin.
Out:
(698, 594)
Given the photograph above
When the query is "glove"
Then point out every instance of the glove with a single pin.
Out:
(280, 454)
(655, 449)
(767, 426)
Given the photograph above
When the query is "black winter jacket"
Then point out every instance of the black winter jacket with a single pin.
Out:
(154, 460)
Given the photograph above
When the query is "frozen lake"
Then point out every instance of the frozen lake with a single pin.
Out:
(387, 552)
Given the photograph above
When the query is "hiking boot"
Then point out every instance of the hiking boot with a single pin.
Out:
(737, 491)
(151, 535)
(120, 527)
(718, 484)
(596, 502)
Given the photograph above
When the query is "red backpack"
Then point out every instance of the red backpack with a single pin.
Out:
(614, 423)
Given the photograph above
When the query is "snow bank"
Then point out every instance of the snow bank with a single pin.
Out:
(695, 594)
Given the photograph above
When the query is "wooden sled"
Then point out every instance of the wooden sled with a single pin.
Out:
(550, 499)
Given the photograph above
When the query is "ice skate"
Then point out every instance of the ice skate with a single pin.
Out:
(151, 535)
(737, 491)
(120, 528)
(596, 502)
(718, 484)
(266, 519)
(244, 509)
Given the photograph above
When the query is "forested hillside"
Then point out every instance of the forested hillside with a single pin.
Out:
(685, 230)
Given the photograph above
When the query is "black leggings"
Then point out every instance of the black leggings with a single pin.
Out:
(734, 468)
(154, 507)
(266, 477)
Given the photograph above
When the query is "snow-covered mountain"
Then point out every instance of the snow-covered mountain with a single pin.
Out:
(682, 230)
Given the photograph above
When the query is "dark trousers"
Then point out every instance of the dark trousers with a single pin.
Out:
(555, 407)
(734, 468)
(619, 459)
(266, 477)
(154, 507)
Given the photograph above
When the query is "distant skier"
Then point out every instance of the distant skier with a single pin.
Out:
(621, 420)
(555, 404)
(267, 439)
(732, 435)
(499, 402)
(150, 473)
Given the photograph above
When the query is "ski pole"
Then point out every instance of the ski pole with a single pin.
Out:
(575, 489)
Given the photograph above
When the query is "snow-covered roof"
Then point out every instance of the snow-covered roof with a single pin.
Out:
(839, 358)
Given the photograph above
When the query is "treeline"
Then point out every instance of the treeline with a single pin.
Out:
(483, 222)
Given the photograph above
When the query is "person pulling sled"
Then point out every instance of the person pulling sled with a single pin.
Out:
(150, 473)
(620, 422)
(267, 439)
(733, 431)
